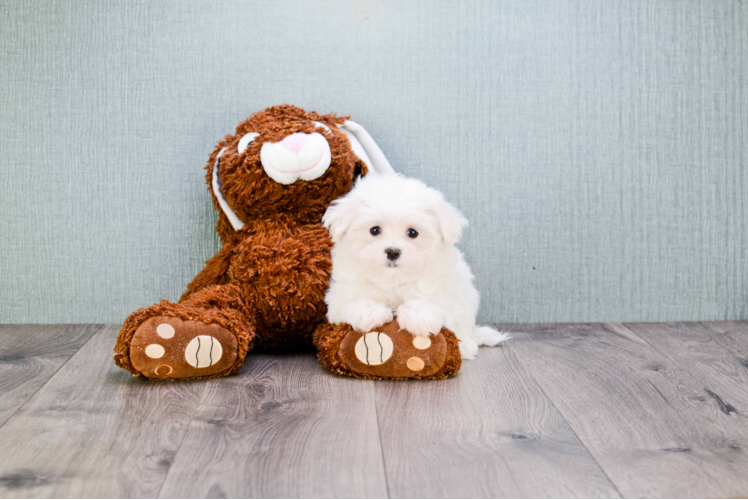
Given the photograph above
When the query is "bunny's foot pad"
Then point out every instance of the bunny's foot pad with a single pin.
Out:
(388, 352)
(170, 348)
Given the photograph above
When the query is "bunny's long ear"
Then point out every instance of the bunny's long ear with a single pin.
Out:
(234, 219)
(365, 148)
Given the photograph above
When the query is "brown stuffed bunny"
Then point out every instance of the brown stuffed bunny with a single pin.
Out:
(271, 183)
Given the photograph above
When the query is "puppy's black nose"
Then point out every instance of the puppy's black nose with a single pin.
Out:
(392, 253)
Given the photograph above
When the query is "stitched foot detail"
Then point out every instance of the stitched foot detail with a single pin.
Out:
(389, 352)
(164, 347)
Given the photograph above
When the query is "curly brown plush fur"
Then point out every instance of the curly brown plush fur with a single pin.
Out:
(266, 285)
(253, 195)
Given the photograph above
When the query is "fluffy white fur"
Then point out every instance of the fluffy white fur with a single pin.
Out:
(428, 286)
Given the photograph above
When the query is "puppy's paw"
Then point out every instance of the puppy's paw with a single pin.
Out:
(468, 349)
(365, 315)
(485, 335)
(420, 317)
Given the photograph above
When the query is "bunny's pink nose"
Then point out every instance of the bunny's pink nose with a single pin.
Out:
(294, 142)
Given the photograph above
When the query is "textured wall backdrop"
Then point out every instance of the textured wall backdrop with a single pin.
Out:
(598, 148)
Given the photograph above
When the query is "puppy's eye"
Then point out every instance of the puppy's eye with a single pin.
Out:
(375, 230)
(412, 233)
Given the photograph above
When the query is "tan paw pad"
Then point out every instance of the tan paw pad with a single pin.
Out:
(421, 342)
(415, 363)
(374, 348)
(165, 331)
(163, 370)
(155, 351)
(203, 351)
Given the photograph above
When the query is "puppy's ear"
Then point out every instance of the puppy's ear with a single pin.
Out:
(339, 216)
(449, 221)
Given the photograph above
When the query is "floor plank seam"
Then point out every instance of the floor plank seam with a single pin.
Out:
(662, 405)
(181, 443)
(623, 325)
(724, 407)
(10, 417)
(550, 400)
(381, 444)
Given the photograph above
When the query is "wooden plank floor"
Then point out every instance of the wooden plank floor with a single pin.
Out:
(30, 355)
(581, 410)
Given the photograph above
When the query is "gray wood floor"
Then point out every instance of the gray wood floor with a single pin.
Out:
(583, 410)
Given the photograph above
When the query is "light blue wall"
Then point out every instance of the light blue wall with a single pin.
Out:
(599, 149)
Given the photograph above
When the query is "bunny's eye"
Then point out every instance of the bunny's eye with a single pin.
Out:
(375, 230)
(244, 141)
(322, 125)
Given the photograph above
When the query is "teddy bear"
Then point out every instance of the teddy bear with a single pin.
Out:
(271, 182)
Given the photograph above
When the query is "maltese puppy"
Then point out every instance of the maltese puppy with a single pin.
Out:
(394, 256)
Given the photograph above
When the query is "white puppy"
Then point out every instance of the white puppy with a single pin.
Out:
(394, 253)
